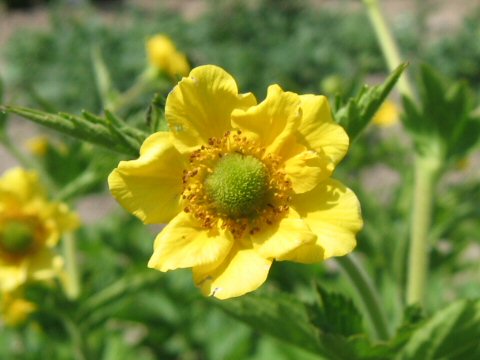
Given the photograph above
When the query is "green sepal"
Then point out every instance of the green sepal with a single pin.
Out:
(356, 113)
(443, 124)
(109, 132)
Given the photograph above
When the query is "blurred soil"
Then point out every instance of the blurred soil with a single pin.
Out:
(443, 17)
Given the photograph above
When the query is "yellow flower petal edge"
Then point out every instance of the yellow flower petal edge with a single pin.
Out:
(246, 184)
(182, 244)
(149, 187)
(273, 121)
(14, 309)
(241, 272)
(30, 228)
(199, 107)
(318, 130)
(333, 213)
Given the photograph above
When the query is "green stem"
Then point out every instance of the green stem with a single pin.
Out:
(143, 84)
(79, 348)
(388, 45)
(115, 290)
(367, 293)
(82, 182)
(426, 171)
(71, 281)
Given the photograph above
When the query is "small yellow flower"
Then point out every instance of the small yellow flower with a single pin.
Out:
(241, 184)
(387, 115)
(164, 56)
(30, 227)
(37, 145)
(14, 310)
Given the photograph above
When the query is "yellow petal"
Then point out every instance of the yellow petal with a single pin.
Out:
(14, 309)
(12, 275)
(282, 238)
(184, 243)
(44, 265)
(318, 131)
(163, 55)
(307, 169)
(57, 219)
(332, 212)
(244, 270)
(22, 184)
(387, 115)
(272, 122)
(199, 107)
(150, 186)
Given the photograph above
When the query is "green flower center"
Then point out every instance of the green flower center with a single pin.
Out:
(16, 237)
(238, 185)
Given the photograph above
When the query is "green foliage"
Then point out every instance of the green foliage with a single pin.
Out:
(3, 114)
(155, 115)
(355, 114)
(110, 132)
(279, 315)
(332, 327)
(458, 54)
(334, 313)
(451, 333)
(126, 311)
(443, 125)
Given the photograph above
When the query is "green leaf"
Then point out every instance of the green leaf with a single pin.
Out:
(452, 333)
(443, 124)
(335, 313)
(306, 326)
(356, 113)
(279, 315)
(109, 132)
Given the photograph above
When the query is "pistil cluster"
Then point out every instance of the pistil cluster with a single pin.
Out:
(200, 199)
(18, 237)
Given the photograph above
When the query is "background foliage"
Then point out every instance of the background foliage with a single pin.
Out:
(127, 311)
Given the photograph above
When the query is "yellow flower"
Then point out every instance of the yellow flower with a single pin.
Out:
(30, 227)
(14, 309)
(37, 145)
(387, 115)
(241, 184)
(164, 56)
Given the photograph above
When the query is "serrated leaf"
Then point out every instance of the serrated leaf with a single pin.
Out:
(444, 121)
(288, 319)
(451, 333)
(335, 313)
(278, 315)
(110, 133)
(357, 112)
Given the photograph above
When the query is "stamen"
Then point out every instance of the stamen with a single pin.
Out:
(203, 207)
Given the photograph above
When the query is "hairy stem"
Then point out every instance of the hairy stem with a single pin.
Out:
(388, 45)
(426, 171)
(367, 293)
